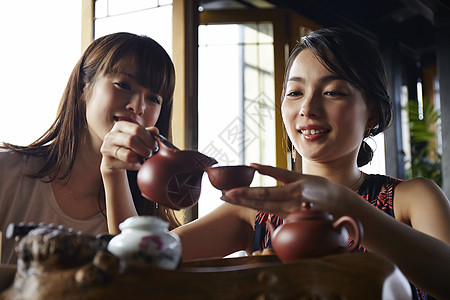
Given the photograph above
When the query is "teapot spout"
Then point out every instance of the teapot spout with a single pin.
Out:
(203, 161)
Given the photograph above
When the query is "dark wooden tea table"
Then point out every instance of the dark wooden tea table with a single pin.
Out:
(343, 276)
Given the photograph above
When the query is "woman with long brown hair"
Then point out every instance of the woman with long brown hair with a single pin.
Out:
(118, 95)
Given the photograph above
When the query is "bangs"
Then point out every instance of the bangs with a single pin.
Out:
(333, 63)
(154, 68)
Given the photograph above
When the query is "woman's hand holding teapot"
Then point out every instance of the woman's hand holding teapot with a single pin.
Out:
(125, 146)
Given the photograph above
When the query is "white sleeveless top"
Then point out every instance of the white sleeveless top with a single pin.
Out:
(25, 199)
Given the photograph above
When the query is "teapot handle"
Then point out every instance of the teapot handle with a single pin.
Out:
(162, 143)
(357, 227)
(162, 140)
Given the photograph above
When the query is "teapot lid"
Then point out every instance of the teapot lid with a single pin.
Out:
(143, 222)
(306, 213)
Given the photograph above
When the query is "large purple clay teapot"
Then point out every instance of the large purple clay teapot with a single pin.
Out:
(310, 233)
(172, 177)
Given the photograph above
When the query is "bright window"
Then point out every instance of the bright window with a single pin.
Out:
(236, 100)
(40, 46)
(151, 18)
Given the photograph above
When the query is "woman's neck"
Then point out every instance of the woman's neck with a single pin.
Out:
(345, 173)
(81, 195)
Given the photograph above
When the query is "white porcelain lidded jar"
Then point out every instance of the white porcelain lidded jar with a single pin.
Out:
(146, 240)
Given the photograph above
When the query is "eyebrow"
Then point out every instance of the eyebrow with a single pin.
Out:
(327, 78)
(131, 76)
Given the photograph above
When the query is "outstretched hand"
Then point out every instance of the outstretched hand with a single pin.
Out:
(297, 188)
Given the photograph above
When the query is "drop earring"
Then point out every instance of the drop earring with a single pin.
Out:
(293, 153)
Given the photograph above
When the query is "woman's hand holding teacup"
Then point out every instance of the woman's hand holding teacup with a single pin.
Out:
(297, 188)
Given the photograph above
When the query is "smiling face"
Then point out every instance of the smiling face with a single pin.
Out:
(324, 115)
(119, 97)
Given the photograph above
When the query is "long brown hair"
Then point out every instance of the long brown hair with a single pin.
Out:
(59, 144)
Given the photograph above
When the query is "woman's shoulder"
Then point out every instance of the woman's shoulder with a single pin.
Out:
(421, 197)
(419, 186)
(411, 185)
(11, 161)
(8, 157)
(412, 188)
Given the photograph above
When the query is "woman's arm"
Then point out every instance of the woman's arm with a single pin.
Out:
(119, 201)
(122, 150)
(421, 204)
(424, 257)
(227, 229)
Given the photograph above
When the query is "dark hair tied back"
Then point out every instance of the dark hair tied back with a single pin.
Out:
(357, 60)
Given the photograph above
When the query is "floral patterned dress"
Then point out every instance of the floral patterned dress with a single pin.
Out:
(376, 189)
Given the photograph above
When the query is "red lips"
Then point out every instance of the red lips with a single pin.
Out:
(127, 119)
(312, 133)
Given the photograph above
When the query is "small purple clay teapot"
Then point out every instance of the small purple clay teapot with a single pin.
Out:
(310, 233)
(172, 177)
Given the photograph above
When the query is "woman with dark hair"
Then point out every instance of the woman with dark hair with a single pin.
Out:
(118, 95)
(334, 97)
